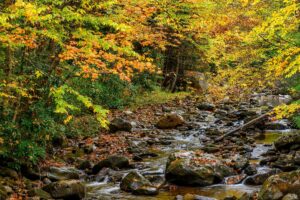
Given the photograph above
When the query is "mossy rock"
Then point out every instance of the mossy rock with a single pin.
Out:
(135, 183)
(67, 189)
(287, 141)
(191, 169)
(279, 185)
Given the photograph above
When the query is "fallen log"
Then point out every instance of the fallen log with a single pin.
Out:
(250, 123)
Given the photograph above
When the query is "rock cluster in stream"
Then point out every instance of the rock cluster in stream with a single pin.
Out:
(225, 162)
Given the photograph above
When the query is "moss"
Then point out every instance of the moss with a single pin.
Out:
(156, 97)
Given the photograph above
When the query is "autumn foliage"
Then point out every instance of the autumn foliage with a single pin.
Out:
(55, 56)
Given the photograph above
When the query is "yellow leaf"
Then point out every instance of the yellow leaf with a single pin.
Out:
(68, 119)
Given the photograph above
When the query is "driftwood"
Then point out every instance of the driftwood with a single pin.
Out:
(250, 123)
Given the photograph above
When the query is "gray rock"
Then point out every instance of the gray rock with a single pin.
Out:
(135, 183)
(119, 124)
(67, 189)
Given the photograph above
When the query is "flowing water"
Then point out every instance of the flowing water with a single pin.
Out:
(156, 166)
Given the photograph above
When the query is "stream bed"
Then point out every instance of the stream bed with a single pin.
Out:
(156, 166)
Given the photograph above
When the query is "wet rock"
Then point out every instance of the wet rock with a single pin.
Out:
(285, 162)
(137, 158)
(277, 186)
(250, 170)
(277, 125)
(231, 180)
(3, 193)
(119, 124)
(170, 121)
(39, 193)
(260, 178)
(156, 180)
(114, 162)
(268, 160)
(190, 168)
(286, 141)
(135, 183)
(6, 172)
(206, 106)
(291, 197)
(240, 162)
(67, 189)
(63, 173)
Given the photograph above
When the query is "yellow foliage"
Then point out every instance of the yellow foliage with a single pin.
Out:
(285, 111)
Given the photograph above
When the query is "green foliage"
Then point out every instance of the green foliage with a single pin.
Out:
(296, 120)
(157, 96)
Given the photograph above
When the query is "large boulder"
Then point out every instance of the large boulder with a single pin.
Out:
(287, 141)
(135, 183)
(67, 189)
(63, 173)
(277, 186)
(113, 162)
(170, 121)
(119, 124)
(196, 169)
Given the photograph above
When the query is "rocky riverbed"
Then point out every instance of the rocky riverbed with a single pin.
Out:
(171, 152)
